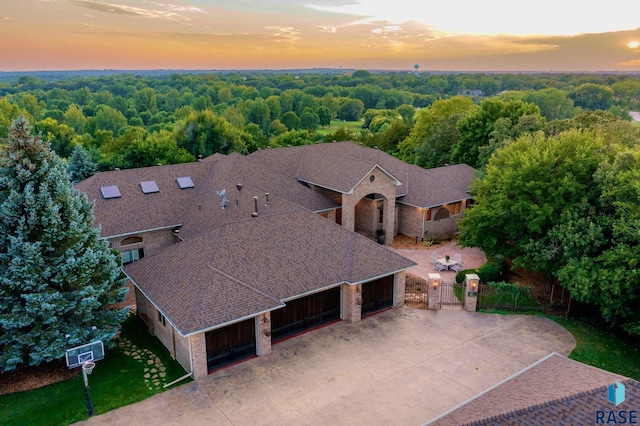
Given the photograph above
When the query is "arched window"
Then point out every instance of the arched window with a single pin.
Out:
(130, 240)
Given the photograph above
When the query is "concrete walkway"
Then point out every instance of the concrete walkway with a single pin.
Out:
(400, 367)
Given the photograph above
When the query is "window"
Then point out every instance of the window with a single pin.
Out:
(185, 182)
(130, 240)
(427, 214)
(111, 191)
(455, 208)
(161, 319)
(132, 255)
(149, 186)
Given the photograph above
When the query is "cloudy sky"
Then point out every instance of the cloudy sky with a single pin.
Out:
(462, 35)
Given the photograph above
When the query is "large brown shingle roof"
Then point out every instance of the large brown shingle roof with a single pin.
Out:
(260, 261)
(340, 165)
(135, 211)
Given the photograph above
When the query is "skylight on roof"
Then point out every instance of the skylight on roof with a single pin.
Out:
(185, 182)
(111, 191)
(149, 186)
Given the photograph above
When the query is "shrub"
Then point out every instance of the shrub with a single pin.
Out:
(491, 271)
(460, 276)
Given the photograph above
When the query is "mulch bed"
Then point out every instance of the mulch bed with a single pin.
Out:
(35, 377)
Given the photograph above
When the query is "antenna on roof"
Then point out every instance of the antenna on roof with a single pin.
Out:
(255, 203)
(223, 195)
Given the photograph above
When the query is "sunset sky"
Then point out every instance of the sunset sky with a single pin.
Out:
(462, 35)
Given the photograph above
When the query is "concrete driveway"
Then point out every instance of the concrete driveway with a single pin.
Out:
(402, 366)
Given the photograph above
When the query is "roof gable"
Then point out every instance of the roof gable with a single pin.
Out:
(341, 165)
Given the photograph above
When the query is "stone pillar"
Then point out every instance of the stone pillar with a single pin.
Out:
(199, 356)
(263, 325)
(401, 280)
(434, 282)
(471, 292)
(352, 302)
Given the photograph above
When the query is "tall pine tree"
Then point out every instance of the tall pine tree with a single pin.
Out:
(57, 278)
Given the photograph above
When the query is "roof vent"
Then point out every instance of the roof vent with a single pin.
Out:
(223, 195)
(255, 204)
(111, 191)
(238, 186)
(185, 182)
(266, 194)
(149, 186)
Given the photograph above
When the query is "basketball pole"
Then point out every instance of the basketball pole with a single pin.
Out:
(87, 396)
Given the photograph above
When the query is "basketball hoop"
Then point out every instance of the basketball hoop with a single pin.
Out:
(87, 367)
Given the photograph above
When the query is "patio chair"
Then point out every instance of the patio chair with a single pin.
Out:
(439, 266)
(434, 256)
(457, 267)
(457, 258)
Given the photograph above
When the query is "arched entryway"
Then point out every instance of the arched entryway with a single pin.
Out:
(370, 205)
(370, 212)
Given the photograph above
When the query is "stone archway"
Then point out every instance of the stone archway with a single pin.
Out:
(369, 214)
(378, 189)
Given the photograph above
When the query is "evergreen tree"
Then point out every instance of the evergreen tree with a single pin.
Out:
(57, 279)
(81, 165)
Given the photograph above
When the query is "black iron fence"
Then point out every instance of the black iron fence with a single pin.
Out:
(416, 294)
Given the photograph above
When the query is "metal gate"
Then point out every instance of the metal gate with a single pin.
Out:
(452, 295)
(416, 292)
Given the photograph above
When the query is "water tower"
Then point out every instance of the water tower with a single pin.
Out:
(416, 69)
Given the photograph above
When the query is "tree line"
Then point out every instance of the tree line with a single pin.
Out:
(126, 121)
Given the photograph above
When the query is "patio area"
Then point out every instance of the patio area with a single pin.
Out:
(471, 258)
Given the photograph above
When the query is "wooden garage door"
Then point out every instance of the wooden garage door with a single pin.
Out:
(307, 312)
(377, 295)
(232, 343)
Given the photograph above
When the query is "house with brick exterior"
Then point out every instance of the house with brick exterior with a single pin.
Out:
(231, 254)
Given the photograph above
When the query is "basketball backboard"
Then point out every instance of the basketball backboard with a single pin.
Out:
(77, 356)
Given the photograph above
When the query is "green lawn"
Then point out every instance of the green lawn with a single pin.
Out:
(602, 349)
(336, 124)
(116, 381)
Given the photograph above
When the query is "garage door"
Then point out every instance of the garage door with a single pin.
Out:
(307, 312)
(377, 295)
(230, 344)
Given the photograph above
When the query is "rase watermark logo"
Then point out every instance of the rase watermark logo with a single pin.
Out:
(616, 396)
(616, 393)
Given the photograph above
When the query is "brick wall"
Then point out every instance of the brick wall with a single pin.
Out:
(401, 279)
(352, 302)
(263, 325)
(152, 241)
(199, 355)
(182, 350)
